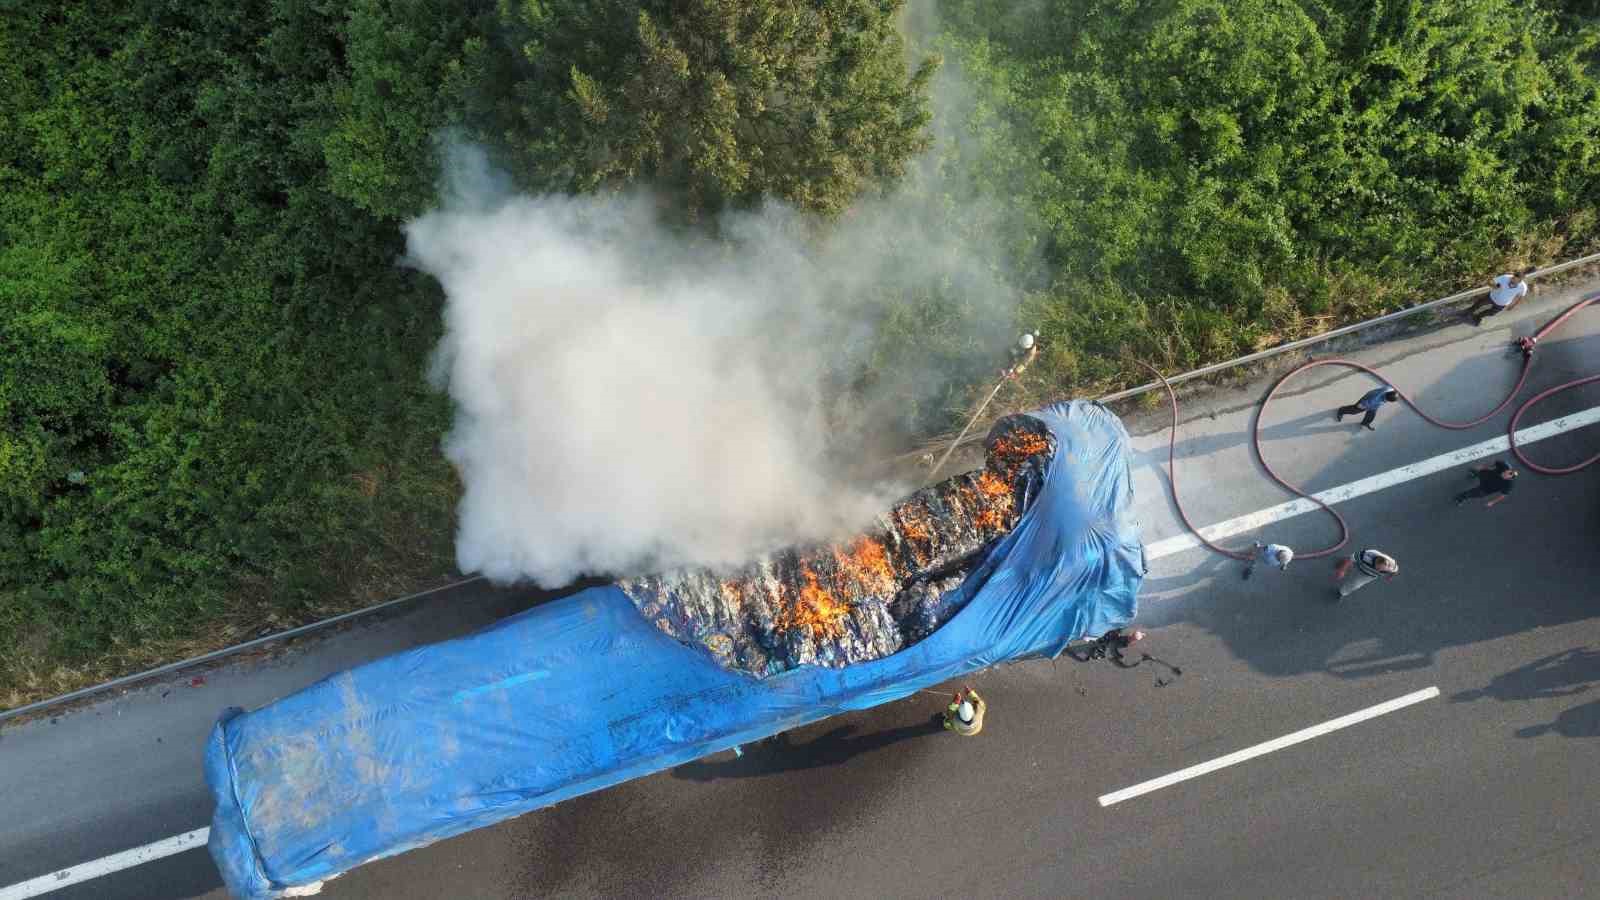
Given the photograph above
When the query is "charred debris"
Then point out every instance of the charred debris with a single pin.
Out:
(868, 597)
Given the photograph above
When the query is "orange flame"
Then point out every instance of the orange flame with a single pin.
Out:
(868, 565)
(1010, 450)
(814, 607)
(916, 532)
(992, 501)
(732, 594)
(993, 485)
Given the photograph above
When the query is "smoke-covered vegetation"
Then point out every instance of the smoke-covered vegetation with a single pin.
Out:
(212, 364)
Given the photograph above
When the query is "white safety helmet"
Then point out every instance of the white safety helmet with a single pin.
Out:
(1025, 342)
(965, 711)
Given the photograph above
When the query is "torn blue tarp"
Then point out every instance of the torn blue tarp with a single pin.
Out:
(584, 693)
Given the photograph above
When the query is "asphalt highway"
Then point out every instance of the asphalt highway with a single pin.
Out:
(1486, 791)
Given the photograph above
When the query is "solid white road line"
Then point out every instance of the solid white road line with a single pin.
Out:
(1287, 740)
(1369, 485)
(116, 862)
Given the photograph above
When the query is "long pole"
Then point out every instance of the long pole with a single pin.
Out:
(957, 442)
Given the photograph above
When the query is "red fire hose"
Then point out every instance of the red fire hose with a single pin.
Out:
(1527, 345)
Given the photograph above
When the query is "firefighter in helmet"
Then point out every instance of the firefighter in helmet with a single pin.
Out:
(964, 715)
(1022, 353)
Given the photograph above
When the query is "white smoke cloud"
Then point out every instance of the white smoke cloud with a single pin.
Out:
(630, 398)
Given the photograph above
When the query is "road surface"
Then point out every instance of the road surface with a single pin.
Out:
(1487, 790)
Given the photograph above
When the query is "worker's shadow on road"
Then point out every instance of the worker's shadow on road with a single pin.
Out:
(1570, 355)
(1208, 444)
(1468, 574)
(1566, 674)
(1577, 722)
(781, 754)
(1562, 674)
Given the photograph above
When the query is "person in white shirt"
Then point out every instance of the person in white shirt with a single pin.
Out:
(1361, 569)
(1269, 555)
(1508, 291)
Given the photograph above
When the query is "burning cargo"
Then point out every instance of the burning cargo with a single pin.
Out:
(584, 692)
(864, 598)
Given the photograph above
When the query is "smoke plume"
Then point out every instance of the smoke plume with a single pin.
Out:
(631, 398)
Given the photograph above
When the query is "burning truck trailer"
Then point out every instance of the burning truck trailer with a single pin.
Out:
(1016, 560)
(868, 597)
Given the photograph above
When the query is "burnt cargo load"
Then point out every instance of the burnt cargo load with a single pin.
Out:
(586, 692)
(864, 598)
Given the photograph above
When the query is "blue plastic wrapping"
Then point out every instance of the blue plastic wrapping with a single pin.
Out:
(584, 693)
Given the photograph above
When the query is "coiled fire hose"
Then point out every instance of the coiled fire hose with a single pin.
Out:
(1527, 345)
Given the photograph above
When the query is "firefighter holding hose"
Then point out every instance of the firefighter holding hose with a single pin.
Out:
(964, 715)
(1022, 353)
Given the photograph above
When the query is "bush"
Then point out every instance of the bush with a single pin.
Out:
(1201, 160)
(212, 383)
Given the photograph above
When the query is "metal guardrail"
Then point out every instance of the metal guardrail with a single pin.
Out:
(181, 664)
(1341, 332)
(1306, 342)
(1120, 395)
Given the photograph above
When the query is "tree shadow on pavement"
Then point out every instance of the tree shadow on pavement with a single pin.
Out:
(1214, 572)
(781, 754)
(1501, 349)
(1468, 574)
(1205, 445)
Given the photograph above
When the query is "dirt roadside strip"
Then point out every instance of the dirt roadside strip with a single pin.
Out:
(1360, 332)
(137, 678)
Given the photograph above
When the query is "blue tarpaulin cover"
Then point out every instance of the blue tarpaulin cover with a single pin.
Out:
(584, 693)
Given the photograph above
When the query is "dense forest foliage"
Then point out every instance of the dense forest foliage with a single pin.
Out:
(1211, 176)
(211, 364)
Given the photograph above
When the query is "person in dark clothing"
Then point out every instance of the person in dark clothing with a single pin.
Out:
(1494, 481)
(1109, 646)
(1369, 403)
(1114, 642)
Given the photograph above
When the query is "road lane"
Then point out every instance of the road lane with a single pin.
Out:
(125, 771)
(1464, 795)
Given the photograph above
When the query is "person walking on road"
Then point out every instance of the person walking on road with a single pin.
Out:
(1270, 555)
(1507, 292)
(1495, 482)
(1370, 403)
(1368, 566)
(964, 715)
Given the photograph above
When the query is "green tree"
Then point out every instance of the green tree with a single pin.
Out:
(724, 101)
(211, 373)
(414, 69)
(1230, 168)
(211, 379)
